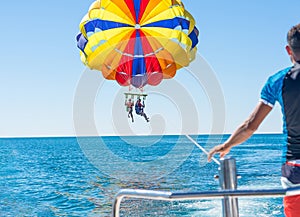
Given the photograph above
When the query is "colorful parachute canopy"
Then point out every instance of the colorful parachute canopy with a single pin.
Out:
(137, 42)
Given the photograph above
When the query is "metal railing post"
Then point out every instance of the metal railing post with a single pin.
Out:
(228, 181)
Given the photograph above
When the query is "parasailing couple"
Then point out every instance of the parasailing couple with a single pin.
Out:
(139, 109)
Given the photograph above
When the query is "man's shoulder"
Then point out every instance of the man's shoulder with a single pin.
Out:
(278, 76)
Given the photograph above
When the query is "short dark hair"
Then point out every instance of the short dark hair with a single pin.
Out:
(293, 38)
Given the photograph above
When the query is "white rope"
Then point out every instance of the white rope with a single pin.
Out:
(202, 149)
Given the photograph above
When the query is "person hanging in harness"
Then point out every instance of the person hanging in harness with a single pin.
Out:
(129, 106)
(139, 109)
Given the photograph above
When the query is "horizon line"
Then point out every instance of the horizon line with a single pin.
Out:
(128, 135)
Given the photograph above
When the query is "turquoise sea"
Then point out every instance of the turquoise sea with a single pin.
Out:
(80, 176)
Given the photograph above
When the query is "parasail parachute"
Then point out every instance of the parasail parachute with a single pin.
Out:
(137, 42)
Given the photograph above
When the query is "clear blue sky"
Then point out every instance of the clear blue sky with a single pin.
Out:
(243, 42)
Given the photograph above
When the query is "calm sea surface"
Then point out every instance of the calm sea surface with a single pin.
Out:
(81, 176)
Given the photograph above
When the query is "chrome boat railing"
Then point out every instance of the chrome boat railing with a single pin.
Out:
(229, 193)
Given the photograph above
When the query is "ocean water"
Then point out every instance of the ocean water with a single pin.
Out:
(81, 176)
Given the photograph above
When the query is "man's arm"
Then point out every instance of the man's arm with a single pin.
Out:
(243, 132)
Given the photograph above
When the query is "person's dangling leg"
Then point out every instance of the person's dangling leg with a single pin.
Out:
(145, 116)
(131, 116)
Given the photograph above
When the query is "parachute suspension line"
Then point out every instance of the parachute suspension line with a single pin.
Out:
(202, 149)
